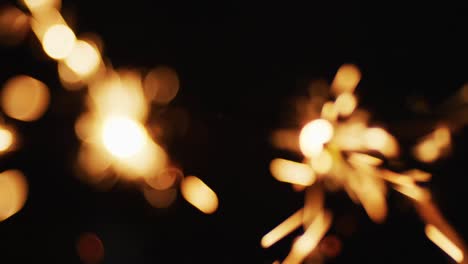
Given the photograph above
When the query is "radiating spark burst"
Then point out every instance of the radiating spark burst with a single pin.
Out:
(341, 150)
(115, 139)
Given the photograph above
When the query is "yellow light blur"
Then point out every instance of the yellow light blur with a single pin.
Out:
(442, 136)
(199, 194)
(418, 175)
(123, 137)
(25, 98)
(36, 5)
(287, 226)
(58, 41)
(415, 192)
(427, 151)
(161, 85)
(292, 172)
(329, 111)
(364, 159)
(166, 179)
(380, 140)
(6, 139)
(346, 79)
(304, 245)
(84, 59)
(443, 242)
(323, 163)
(313, 135)
(345, 104)
(69, 79)
(13, 193)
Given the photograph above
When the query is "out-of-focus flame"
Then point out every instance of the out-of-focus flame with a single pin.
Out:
(90, 248)
(83, 59)
(7, 139)
(40, 5)
(287, 226)
(13, 193)
(434, 234)
(346, 79)
(25, 98)
(161, 85)
(314, 135)
(123, 137)
(380, 140)
(292, 172)
(345, 104)
(199, 194)
(58, 41)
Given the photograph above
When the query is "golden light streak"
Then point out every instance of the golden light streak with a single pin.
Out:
(362, 158)
(380, 140)
(38, 5)
(199, 194)
(442, 136)
(372, 199)
(7, 139)
(313, 135)
(322, 163)
(123, 137)
(346, 79)
(287, 226)
(83, 59)
(436, 236)
(292, 172)
(24, 98)
(304, 245)
(58, 41)
(345, 104)
(313, 204)
(329, 111)
(418, 175)
(13, 193)
(415, 192)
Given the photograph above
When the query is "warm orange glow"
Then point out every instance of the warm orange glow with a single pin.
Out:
(58, 41)
(310, 239)
(69, 79)
(442, 136)
(35, 5)
(380, 140)
(373, 201)
(14, 25)
(427, 151)
(322, 163)
(25, 98)
(283, 229)
(292, 172)
(329, 111)
(361, 158)
(345, 104)
(443, 242)
(199, 194)
(286, 139)
(161, 85)
(94, 162)
(160, 198)
(84, 59)
(313, 135)
(415, 192)
(166, 179)
(6, 139)
(418, 175)
(13, 193)
(346, 79)
(123, 137)
(90, 248)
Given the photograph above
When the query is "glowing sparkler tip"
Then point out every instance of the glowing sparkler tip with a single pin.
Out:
(314, 135)
(123, 137)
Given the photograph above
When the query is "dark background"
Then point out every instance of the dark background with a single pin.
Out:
(241, 65)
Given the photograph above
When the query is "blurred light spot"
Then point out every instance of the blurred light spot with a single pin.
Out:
(329, 111)
(282, 230)
(313, 135)
(6, 139)
(442, 136)
(330, 246)
(346, 79)
(94, 162)
(35, 5)
(123, 137)
(14, 25)
(345, 104)
(322, 163)
(84, 59)
(90, 248)
(13, 193)
(58, 41)
(25, 98)
(166, 179)
(443, 242)
(364, 159)
(427, 151)
(160, 198)
(199, 194)
(380, 140)
(292, 172)
(161, 85)
(418, 175)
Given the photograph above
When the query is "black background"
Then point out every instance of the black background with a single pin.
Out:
(241, 65)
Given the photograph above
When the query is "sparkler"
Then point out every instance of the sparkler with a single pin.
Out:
(113, 130)
(342, 151)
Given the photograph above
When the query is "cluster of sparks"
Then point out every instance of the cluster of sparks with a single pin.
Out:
(343, 152)
(116, 140)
